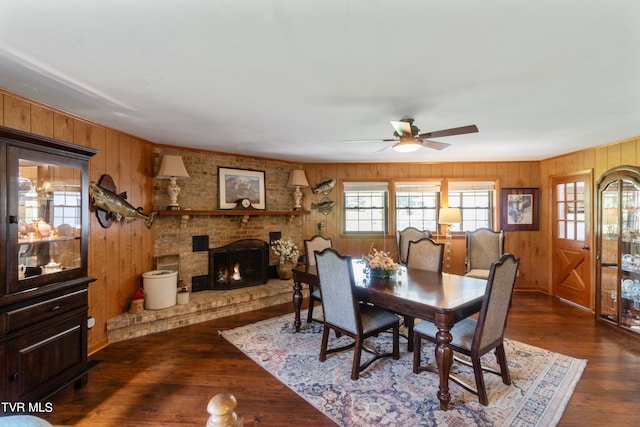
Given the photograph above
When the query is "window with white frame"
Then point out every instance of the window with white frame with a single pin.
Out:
(365, 207)
(67, 207)
(417, 205)
(475, 200)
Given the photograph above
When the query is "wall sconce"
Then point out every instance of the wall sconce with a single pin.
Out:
(448, 216)
(298, 180)
(172, 168)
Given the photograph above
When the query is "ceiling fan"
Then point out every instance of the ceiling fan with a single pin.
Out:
(408, 137)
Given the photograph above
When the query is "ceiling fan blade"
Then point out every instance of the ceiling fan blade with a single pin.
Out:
(382, 149)
(402, 128)
(353, 141)
(435, 144)
(450, 132)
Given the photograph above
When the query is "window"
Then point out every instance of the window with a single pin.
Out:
(365, 207)
(475, 200)
(570, 210)
(417, 205)
(67, 206)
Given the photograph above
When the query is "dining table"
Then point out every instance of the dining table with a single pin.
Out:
(441, 298)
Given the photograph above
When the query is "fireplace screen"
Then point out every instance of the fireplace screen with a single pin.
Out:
(241, 263)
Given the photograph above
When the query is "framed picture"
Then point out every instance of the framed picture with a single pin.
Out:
(520, 209)
(239, 185)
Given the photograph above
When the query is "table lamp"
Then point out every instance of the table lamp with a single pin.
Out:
(298, 180)
(172, 168)
(447, 217)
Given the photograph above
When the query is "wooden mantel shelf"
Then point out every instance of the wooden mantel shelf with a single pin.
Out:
(231, 212)
(184, 214)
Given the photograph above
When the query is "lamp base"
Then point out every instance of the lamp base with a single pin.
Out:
(297, 197)
(173, 208)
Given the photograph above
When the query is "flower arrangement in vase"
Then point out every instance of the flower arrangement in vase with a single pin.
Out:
(287, 253)
(380, 264)
(286, 250)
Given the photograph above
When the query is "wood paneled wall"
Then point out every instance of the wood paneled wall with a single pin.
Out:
(117, 255)
(529, 245)
(120, 254)
(596, 160)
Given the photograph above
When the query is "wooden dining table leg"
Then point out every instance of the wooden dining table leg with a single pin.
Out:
(444, 360)
(297, 303)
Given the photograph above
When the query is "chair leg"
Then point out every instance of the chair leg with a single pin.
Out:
(312, 302)
(357, 353)
(417, 345)
(396, 342)
(477, 372)
(325, 343)
(502, 361)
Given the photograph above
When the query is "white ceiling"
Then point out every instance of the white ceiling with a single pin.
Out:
(292, 79)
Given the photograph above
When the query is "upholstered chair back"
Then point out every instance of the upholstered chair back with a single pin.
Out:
(315, 244)
(425, 254)
(492, 319)
(403, 237)
(484, 247)
(337, 289)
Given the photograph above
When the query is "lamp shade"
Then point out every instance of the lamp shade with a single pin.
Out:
(172, 167)
(297, 178)
(449, 216)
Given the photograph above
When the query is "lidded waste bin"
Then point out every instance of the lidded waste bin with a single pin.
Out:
(160, 289)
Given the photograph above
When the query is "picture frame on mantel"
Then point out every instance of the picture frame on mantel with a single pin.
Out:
(520, 209)
(235, 185)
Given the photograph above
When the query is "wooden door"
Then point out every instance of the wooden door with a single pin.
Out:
(571, 245)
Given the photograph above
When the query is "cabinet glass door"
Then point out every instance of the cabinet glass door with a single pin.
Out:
(630, 256)
(609, 215)
(46, 194)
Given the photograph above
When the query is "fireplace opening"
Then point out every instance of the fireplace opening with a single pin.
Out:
(239, 264)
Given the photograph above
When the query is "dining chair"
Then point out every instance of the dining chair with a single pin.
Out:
(484, 247)
(425, 254)
(346, 315)
(316, 243)
(403, 237)
(475, 338)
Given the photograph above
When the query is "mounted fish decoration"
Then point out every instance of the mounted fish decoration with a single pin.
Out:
(324, 186)
(324, 206)
(114, 206)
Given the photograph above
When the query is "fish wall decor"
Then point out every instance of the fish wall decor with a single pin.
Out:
(324, 206)
(324, 186)
(114, 207)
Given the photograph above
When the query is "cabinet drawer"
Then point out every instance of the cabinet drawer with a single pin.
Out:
(25, 316)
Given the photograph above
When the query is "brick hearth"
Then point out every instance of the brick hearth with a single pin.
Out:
(202, 306)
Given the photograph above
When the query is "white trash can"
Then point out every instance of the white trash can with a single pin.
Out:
(160, 289)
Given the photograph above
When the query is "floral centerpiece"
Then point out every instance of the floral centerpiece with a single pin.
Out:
(380, 264)
(285, 250)
(288, 254)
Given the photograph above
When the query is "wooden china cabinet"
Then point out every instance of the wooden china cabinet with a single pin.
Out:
(43, 302)
(618, 249)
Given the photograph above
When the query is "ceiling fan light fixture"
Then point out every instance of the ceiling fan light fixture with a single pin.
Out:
(407, 146)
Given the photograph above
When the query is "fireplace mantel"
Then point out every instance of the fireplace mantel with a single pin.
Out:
(184, 214)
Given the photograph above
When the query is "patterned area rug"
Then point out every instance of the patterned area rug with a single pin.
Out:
(388, 393)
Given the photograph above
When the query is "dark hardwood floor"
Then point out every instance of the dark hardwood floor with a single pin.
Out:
(167, 379)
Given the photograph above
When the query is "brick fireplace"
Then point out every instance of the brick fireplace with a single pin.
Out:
(239, 264)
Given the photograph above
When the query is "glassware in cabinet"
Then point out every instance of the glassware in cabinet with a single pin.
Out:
(46, 239)
(618, 255)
